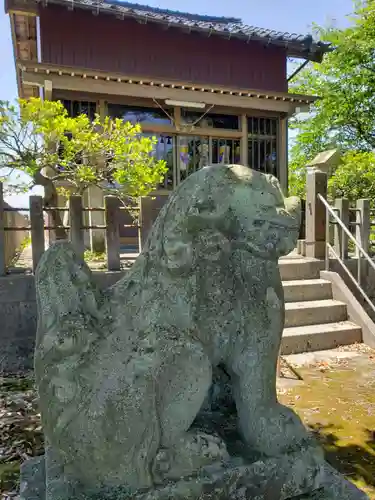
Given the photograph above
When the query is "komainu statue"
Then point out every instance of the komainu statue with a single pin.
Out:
(163, 385)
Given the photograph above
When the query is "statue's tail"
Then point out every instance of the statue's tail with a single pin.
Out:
(69, 305)
(64, 287)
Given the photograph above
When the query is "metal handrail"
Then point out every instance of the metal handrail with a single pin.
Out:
(329, 248)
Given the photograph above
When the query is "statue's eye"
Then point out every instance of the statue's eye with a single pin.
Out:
(258, 223)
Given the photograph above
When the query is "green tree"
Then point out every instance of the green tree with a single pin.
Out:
(39, 139)
(344, 115)
(354, 178)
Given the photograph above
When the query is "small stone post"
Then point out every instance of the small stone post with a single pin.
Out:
(145, 220)
(37, 229)
(316, 183)
(149, 208)
(341, 238)
(112, 232)
(76, 231)
(362, 234)
(96, 217)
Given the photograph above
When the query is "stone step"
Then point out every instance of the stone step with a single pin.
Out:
(314, 312)
(319, 337)
(298, 269)
(305, 290)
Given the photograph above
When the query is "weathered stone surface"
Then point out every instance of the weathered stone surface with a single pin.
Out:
(33, 479)
(269, 479)
(165, 382)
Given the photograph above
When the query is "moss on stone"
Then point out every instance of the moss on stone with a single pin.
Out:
(338, 404)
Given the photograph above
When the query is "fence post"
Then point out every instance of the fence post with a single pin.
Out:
(112, 232)
(362, 234)
(316, 183)
(145, 220)
(341, 238)
(76, 231)
(2, 233)
(37, 229)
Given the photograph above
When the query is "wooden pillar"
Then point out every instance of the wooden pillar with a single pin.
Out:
(48, 90)
(244, 141)
(282, 154)
(95, 198)
(316, 183)
(102, 109)
(177, 117)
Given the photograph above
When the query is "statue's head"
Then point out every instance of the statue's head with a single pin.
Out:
(222, 209)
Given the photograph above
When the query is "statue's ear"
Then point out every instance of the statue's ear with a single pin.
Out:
(203, 215)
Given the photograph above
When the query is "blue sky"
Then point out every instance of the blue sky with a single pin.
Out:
(284, 15)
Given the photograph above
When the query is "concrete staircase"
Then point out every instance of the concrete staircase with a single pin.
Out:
(313, 320)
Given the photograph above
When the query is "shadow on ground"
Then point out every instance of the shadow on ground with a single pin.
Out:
(336, 400)
(356, 462)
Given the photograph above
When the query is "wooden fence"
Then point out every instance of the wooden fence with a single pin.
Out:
(13, 240)
(75, 229)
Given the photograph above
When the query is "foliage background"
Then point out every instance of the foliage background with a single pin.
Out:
(344, 116)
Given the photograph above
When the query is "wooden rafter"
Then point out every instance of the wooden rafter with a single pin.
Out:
(25, 48)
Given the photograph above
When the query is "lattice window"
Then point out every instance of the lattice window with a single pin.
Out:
(263, 144)
(76, 108)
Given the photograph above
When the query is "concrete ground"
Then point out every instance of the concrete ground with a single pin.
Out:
(334, 394)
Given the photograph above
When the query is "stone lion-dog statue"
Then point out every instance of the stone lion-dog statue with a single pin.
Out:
(124, 373)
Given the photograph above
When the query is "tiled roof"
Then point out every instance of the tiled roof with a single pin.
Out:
(302, 46)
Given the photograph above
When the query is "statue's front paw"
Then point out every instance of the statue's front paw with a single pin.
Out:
(280, 431)
(192, 452)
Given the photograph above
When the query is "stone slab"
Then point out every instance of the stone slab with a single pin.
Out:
(283, 478)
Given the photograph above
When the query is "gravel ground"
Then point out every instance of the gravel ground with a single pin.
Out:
(20, 430)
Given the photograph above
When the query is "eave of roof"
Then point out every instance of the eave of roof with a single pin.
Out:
(299, 46)
(49, 69)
